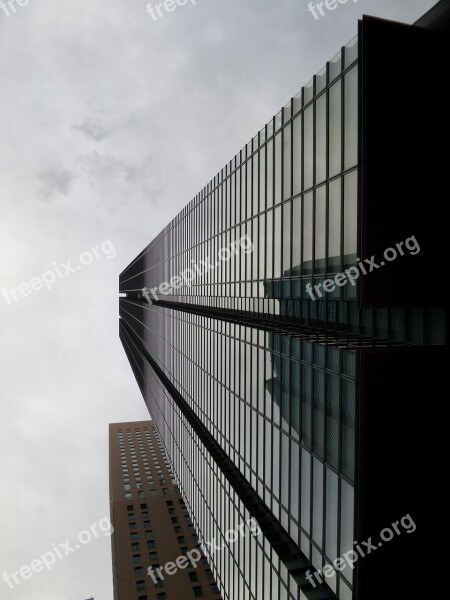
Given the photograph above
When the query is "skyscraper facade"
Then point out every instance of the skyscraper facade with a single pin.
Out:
(283, 336)
(154, 544)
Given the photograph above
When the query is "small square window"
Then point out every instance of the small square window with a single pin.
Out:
(151, 544)
(181, 539)
(193, 577)
(143, 506)
(153, 555)
(198, 591)
(161, 596)
(140, 586)
(137, 559)
(133, 535)
(138, 572)
(134, 547)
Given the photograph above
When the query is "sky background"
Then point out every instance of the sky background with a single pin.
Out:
(110, 123)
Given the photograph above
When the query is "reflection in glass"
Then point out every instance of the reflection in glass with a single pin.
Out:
(286, 236)
(331, 516)
(335, 142)
(317, 501)
(332, 455)
(351, 51)
(307, 232)
(350, 218)
(287, 148)
(306, 491)
(262, 179)
(347, 514)
(270, 174)
(334, 226)
(348, 428)
(308, 143)
(351, 118)
(320, 229)
(297, 155)
(321, 138)
(296, 231)
(278, 174)
(277, 241)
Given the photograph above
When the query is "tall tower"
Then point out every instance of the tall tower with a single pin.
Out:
(284, 337)
(154, 544)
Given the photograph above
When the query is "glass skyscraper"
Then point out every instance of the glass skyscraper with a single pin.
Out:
(283, 349)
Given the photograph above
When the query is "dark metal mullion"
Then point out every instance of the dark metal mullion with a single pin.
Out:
(265, 214)
(282, 135)
(272, 209)
(327, 185)
(302, 198)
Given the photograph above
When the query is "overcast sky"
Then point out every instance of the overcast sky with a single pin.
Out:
(110, 122)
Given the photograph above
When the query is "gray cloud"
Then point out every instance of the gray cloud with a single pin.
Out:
(55, 180)
(94, 129)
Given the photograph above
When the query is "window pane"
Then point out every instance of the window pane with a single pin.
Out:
(287, 149)
(348, 428)
(308, 154)
(262, 179)
(306, 491)
(297, 151)
(334, 227)
(350, 218)
(335, 117)
(320, 230)
(331, 523)
(287, 236)
(270, 174)
(347, 518)
(317, 501)
(296, 231)
(294, 479)
(321, 138)
(351, 118)
(319, 402)
(277, 241)
(333, 420)
(307, 232)
(278, 174)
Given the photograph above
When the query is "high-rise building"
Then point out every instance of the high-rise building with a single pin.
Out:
(286, 328)
(154, 544)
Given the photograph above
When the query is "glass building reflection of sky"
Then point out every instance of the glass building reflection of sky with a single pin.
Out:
(280, 404)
